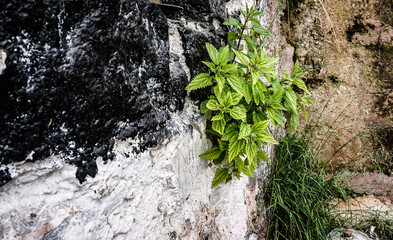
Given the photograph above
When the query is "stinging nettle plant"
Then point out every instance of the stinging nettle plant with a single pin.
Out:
(247, 95)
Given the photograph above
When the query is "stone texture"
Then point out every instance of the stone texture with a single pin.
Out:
(85, 82)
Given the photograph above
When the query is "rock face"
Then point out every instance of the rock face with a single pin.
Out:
(96, 89)
(347, 47)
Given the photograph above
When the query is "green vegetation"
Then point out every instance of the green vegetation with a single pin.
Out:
(298, 195)
(248, 95)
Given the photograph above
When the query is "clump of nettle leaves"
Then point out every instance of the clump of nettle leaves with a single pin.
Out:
(247, 96)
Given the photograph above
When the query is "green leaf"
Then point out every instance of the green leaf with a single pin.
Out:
(213, 105)
(235, 147)
(238, 112)
(243, 58)
(262, 155)
(295, 68)
(250, 43)
(231, 133)
(248, 92)
(277, 106)
(233, 36)
(221, 96)
(236, 97)
(254, 77)
(290, 99)
(213, 133)
(266, 138)
(306, 100)
(223, 55)
(203, 107)
(223, 145)
(219, 126)
(277, 96)
(257, 13)
(239, 163)
(229, 68)
(245, 131)
(259, 116)
(275, 116)
(237, 84)
(251, 150)
(211, 65)
(200, 81)
(220, 82)
(247, 171)
(232, 22)
(219, 116)
(303, 111)
(260, 127)
(258, 92)
(255, 20)
(213, 53)
(220, 176)
(213, 153)
(261, 30)
(300, 84)
(228, 100)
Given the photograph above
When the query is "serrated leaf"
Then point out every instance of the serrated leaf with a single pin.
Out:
(239, 163)
(295, 68)
(300, 84)
(223, 55)
(220, 81)
(258, 92)
(222, 145)
(200, 81)
(262, 155)
(251, 150)
(211, 65)
(213, 133)
(261, 30)
(248, 92)
(278, 106)
(307, 100)
(229, 68)
(277, 96)
(255, 77)
(243, 58)
(245, 131)
(260, 127)
(275, 116)
(238, 112)
(231, 133)
(228, 100)
(237, 84)
(213, 53)
(232, 22)
(213, 153)
(235, 147)
(247, 171)
(259, 116)
(253, 165)
(219, 116)
(220, 176)
(203, 107)
(236, 97)
(219, 126)
(221, 96)
(213, 105)
(290, 99)
(266, 138)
